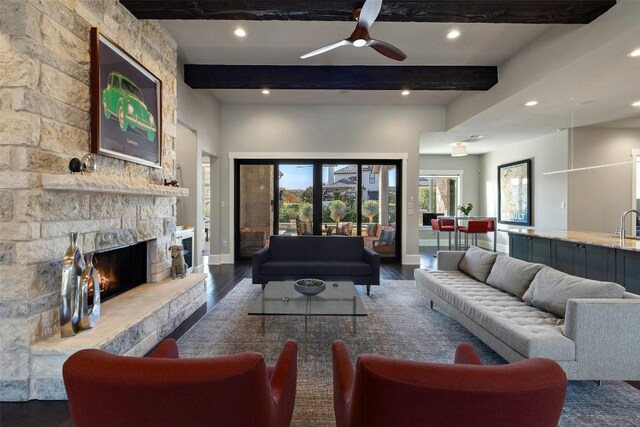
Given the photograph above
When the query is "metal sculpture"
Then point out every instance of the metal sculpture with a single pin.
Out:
(72, 267)
(89, 318)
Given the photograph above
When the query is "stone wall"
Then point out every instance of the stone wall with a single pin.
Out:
(44, 122)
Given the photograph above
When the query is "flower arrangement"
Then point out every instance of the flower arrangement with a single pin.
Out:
(465, 209)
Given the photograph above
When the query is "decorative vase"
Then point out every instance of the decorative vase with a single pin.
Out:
(89, 318)
(72, 267)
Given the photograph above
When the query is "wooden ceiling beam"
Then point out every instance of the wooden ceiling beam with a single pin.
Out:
(340, 77)
(479, 11)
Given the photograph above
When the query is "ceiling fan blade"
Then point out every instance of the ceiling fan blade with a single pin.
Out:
(326, 49)
(388, 50)
(369, 12)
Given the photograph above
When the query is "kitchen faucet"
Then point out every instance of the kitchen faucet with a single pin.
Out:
(622, 231)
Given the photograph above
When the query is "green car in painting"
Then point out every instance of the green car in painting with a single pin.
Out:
(123, 100)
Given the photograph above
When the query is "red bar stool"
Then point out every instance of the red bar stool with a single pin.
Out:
(474, 228)
(442, 226)
(491, 228)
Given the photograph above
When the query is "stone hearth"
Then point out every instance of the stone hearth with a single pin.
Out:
(131, 324)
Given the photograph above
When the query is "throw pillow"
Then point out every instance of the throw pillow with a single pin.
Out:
(512, 275)
(387, 237)
(551, 289)
(477, 263)
(344, 229)
(372, 229)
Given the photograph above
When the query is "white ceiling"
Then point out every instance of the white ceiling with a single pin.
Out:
(596, 72)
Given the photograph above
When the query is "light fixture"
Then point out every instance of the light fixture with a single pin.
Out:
(459, 150)
(634, 53)
(239, 32)
(266, 91)
(405, 92)
(359, 42)
(531, 103)
(453, 34)
(635, 104)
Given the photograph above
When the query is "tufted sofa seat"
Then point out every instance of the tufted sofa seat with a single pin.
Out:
(591, 335)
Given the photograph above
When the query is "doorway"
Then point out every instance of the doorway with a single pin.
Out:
(318, 197)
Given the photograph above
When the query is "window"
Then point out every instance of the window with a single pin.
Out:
(438, 194)
(372, 178)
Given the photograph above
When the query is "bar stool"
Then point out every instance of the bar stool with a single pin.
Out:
(491, 228)
(474, 228)
(442, 226)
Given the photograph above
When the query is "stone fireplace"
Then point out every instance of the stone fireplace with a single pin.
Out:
(45, 122)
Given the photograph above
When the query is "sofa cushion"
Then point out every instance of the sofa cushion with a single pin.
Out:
(528, 330)
(387, 237)
(372, 229)
(317, 248)
(302, 269)
(512, 275)
(551, 289)
(477, 263)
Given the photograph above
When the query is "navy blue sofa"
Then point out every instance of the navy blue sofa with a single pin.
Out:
(336, 258)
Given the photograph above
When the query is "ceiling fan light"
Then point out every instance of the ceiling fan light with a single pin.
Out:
(459, 150)
(359, 42)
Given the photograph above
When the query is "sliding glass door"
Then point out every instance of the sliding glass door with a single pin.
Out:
(318, 197)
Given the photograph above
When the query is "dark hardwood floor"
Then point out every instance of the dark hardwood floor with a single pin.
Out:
(221, 279)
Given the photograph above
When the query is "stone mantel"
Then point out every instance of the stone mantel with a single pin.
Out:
(92, 183)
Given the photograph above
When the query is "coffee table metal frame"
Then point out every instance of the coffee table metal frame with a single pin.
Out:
(281, 299)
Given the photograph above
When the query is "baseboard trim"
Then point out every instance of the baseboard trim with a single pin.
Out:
(214, 260)
(411, 260)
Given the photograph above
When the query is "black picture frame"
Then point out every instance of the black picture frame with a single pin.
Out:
(126, 105)
(514, 193)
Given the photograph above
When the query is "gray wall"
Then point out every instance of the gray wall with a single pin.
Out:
(597, 197)
(547, 153)
(312, 130)
(199, 111)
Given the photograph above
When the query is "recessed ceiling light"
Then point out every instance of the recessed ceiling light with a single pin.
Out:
(240, 32)
(635, 104)
(531, 103)
(453, 34)
(405, 92)
(634, 53)
(266, 91)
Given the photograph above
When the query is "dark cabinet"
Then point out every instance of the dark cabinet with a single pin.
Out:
(530, 248)
(628, 270)
(589, 261)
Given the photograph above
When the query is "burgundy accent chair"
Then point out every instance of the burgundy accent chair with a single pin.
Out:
(236, 390)
(392, 392)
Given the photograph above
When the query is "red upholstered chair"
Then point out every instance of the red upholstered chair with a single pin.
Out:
(442, 226)
(163, 390)
(386, 392)
(474, 228)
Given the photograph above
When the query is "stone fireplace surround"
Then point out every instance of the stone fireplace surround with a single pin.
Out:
(44, 122)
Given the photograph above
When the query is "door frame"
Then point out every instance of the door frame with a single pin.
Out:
(398, 159)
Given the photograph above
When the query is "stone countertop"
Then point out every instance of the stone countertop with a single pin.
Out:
(586, 237)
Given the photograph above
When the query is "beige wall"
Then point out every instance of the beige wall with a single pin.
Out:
(597, 197)
(278, 130)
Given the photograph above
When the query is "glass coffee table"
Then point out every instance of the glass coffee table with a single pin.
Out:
(281, 299)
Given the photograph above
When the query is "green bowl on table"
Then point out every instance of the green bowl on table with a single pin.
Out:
(309, 287)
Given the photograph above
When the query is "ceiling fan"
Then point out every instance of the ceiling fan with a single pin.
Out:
(360, 36)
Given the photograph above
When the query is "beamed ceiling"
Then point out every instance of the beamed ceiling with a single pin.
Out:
(476, 11)
(340, 77)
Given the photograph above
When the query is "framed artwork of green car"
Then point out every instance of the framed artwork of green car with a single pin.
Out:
(126, 106)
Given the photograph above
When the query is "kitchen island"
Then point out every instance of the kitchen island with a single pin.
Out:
(593, 255)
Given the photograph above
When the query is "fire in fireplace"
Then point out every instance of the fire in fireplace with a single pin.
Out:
(120, 270)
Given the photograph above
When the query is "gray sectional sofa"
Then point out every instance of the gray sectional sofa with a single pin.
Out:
(321, 257)
(524, 310)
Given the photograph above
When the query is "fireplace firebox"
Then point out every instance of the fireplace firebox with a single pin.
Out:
(120, 269)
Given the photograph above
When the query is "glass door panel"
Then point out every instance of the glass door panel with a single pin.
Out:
(438, 196)
(295, 182)
(379, 207)
(339, 199)
(256, 195)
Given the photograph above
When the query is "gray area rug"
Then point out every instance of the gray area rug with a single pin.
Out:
(399, 324)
